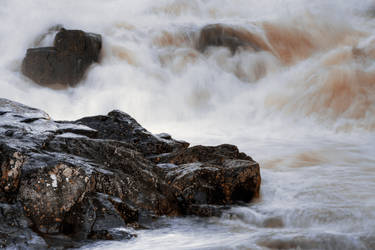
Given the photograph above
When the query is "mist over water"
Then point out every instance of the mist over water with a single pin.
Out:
(303, 106)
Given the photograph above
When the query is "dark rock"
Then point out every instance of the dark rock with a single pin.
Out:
(15, 231)
(78, 42)
(214, 155)
(120, 126)
(56, 189)
(10, 163)
(204, 210)
(111, 235)
(211, 175)
(75, 182)
(227, 36)
(97, 217)
(121, 172)
(65, 63)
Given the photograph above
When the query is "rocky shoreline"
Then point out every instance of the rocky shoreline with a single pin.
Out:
(64, 184)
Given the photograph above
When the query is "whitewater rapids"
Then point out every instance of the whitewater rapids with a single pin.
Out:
(303, 106)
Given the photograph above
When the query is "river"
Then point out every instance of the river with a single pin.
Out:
(303, 106)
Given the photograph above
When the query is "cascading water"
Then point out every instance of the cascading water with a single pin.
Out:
(303, 105)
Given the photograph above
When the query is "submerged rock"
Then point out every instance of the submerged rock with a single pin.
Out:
(227, 36)
(79, 181)
(66, 63)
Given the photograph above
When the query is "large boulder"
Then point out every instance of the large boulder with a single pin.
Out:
(66, 63)
(227, 36)
(73, 182)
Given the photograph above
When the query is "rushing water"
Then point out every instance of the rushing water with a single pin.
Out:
(304, 107)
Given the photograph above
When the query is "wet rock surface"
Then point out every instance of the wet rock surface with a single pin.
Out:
(64, 184)
(15, 231)
(66, 62)
(204, 176)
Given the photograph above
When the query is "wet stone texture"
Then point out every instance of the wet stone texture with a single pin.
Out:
(64, 184)
(211, 176)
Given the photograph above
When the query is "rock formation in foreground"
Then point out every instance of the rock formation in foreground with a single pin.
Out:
(64, 184)
(66, 62)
